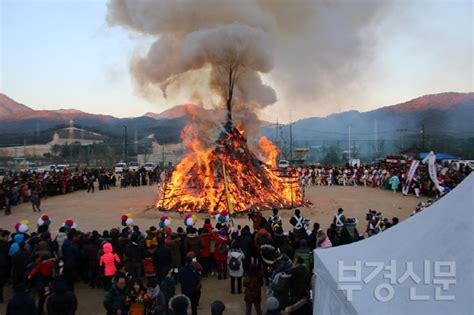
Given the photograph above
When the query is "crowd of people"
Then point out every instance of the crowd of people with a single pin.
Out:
(32, 186)
(383, 176)
(139, 270)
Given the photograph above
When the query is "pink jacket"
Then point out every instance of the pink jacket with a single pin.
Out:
(326, 243)
(108, 259)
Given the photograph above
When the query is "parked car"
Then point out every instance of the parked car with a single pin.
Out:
(120, 167)
(283, 164)
(149, 166)
(61, 167)
(133, 166)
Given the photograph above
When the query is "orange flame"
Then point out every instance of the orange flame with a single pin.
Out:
(197, 183)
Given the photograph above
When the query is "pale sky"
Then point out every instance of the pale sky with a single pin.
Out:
(63, 54)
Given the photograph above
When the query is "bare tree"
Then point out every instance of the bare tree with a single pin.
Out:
(234, 69)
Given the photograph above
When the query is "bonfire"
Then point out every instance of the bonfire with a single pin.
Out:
(229, 176)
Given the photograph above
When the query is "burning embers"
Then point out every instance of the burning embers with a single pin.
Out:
(229, 177)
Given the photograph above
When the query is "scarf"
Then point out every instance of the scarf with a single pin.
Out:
(153, 293)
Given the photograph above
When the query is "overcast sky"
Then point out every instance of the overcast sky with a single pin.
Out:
(63, 54)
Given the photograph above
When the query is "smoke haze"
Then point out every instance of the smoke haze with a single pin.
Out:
(304, 47)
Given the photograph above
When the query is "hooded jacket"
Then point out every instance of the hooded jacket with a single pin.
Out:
(190, 280)
(21, 304)
(156, 301)
(193, 243)
(62, 302)
(134, 252)
(60, 238)
(114, 299)
(108, 259)
(174, 244)
(253, 289)
(326, 243)
(239, 255)
(15, 246)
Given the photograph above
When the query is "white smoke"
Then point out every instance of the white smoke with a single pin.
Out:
(312, 46)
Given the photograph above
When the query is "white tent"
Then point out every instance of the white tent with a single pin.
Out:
(428, 241)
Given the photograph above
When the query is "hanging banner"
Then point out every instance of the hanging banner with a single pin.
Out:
(410, 175)
(431, 160)
(227, 192)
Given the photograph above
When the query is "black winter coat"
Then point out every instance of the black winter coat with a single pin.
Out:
(21, 304)
(62, 302)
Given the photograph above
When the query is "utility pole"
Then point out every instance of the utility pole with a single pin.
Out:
(376, 138)
(276, 137)
(125, 145)
(350, 134)
(136, 142)
(291, 142)
(423, 136)
(402, 138)
(163, 155)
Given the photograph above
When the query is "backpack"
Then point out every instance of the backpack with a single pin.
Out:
(148, 267)
(223, 248)
(281, 282)
(263, 240)
(234, 263)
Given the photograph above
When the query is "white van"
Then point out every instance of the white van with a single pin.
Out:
(120, 167)
(283, 164)
(133, 166)
(149, 166)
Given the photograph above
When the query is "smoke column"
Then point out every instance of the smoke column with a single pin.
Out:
(310, 44)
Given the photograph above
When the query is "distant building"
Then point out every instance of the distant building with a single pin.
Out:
(76, 135)
(162, 154)
(62, 136)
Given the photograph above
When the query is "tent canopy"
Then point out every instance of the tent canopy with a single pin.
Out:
(440, 156)
(435, 243)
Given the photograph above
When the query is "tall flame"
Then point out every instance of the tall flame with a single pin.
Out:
(198, 183)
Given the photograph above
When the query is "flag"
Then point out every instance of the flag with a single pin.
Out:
(227, 193)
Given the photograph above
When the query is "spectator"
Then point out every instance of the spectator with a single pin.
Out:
(217, 308)
(62, 301)
(4, 262)
(190, 280)
(323, 240)
(300, 280)
(70, 251)
(220, 253)
(253, 283)
(339, 219)
(136, 298)
(174, 245)
(162, 258)
(246, 244)
(114, 300)
(156, 300)
(205, 255)
(108, 260)
(305, 253)
(273, 306)
(179, 304)
(21, 303)
(236, 269)
(134, 254)
(193, 242)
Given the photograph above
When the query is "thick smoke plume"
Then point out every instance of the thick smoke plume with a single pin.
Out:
(312, 46)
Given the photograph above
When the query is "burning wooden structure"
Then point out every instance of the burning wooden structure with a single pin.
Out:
(229, 176)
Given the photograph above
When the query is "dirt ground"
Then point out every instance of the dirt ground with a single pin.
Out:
(103, 209)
